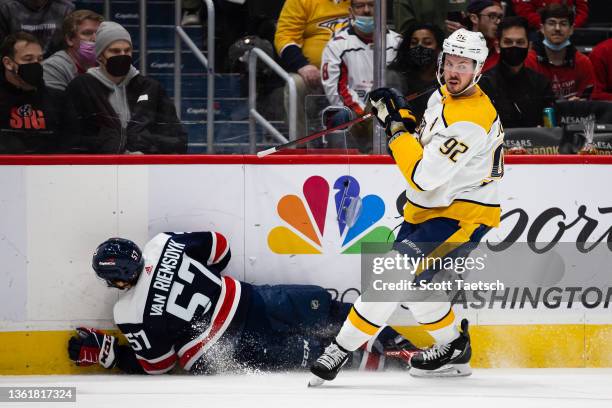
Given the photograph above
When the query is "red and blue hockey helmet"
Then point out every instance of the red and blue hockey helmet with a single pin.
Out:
(118, 259)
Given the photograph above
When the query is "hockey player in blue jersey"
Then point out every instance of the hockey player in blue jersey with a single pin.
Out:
(178, 308)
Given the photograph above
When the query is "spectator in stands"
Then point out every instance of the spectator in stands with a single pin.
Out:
(570, 72)
(79, 53)
(414, 68)
(436, 12)
(114, 109)
(347, 71)
(530, 10)
(347, 68)
(42, 18)
(518, 93)
(485, 16)
(31, 118)
(304, 28)
(601, 58)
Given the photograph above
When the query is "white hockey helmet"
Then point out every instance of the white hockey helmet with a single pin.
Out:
(464, 43)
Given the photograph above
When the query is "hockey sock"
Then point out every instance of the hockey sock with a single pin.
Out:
(437, 318)
(363, 321)
(444, 330)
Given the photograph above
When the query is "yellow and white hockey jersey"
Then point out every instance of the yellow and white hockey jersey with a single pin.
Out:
(453, 162)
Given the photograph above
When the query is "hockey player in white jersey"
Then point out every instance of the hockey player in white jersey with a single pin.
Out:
(452, 164)
(178, 308)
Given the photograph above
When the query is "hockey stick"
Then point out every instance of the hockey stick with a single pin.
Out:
(313, 136)
(324, 132)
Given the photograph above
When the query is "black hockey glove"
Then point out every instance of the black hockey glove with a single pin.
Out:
(392, 111)
(91, 346)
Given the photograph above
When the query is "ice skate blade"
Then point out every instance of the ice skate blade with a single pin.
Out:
(449, 370)
(315, 382)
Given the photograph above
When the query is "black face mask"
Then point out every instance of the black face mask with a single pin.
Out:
(513, 56)
(119, 65)
(422, 56)
(31, 73)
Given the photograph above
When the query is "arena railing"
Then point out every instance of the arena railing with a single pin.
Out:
(107, 10)
(143, 36)
(254, 116)
(208, 63)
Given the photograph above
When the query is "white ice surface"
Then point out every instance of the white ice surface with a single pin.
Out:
(520, 388)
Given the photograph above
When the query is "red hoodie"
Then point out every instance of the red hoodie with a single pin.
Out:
(529, 10)
(568, 79)
(601, 58)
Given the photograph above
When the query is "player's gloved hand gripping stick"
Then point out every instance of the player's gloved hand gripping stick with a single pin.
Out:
(388, 95)
(392, 111)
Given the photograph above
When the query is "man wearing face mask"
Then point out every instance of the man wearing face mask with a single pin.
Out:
(41, 18)
(347, 69)
(571, 73)
(414, 68)
(518, 93)
(31, 118)
(347, 65)
(79, 54)
(117, 110)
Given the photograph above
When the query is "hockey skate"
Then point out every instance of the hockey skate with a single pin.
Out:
(328, 364)
(445, 360)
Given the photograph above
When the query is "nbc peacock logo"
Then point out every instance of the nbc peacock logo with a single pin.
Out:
(305, 216)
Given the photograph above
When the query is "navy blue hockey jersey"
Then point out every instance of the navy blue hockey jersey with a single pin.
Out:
(181, 308)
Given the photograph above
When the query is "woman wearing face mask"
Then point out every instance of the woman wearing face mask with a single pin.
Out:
(79, 54)
(414, 68)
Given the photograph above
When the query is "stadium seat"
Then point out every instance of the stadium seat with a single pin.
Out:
(537, 140)
(573, 139)
(572, 112)
(599, 13)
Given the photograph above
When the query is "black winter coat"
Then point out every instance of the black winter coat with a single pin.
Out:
(519, 98)
(154, 127)
(31, 122)
(44, 23)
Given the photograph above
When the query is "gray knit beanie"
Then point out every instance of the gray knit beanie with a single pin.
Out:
(109, 32)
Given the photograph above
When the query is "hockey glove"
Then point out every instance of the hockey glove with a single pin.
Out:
(392, 111)
(91, 346)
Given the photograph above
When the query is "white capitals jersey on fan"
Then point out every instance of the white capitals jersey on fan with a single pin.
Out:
(453, 162)
(347, 67)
